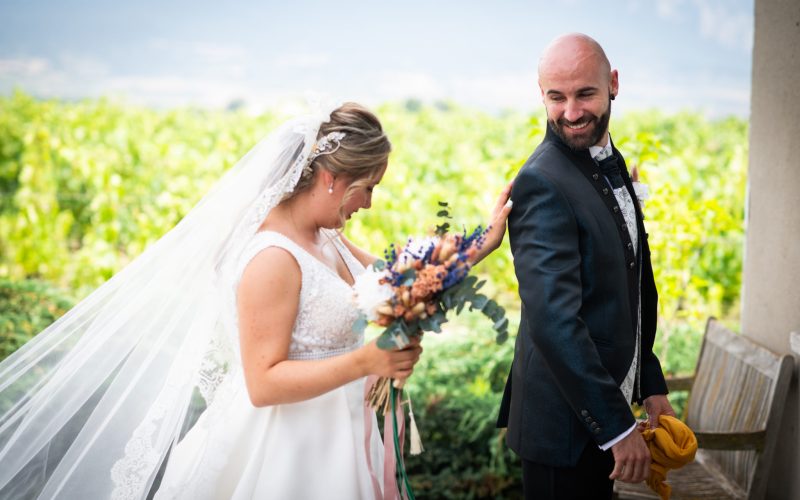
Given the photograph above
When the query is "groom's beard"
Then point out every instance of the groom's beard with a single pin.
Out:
(594, 130)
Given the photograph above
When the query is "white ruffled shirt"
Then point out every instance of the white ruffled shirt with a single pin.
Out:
(626, 205)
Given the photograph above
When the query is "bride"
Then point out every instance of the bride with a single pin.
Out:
(244, 313)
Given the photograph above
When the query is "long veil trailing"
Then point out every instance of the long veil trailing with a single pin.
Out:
(91, 406)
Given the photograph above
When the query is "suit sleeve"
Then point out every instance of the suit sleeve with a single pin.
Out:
(652, 376)
(544, 242)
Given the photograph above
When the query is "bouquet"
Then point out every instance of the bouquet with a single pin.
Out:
(411, 292)
(417, 285)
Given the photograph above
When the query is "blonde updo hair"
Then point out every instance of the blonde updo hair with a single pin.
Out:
(362, 154)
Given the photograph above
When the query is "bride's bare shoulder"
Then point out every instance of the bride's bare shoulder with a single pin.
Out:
(273, 273)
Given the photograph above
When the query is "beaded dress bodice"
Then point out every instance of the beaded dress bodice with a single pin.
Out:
(326, 311)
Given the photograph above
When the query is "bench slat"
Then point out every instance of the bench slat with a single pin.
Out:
(735, 406)
(731, 440)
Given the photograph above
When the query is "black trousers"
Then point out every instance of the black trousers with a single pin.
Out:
(588, 480)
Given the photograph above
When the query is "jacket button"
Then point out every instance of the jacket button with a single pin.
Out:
(585, 413)
(588, 419)
(616, 209)
(623, 226)
(631, 264)
(595, 176)
(597, 431)
(595, 425)
(605, 191)
(630, 246)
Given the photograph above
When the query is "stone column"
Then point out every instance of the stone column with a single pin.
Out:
(771, 295)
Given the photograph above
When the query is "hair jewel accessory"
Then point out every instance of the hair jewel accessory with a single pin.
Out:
(326, 145)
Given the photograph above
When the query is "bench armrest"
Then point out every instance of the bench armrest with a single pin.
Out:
(731, 440)
(675, 384)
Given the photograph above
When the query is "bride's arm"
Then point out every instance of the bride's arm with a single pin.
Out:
(494, 236)
(267, 301)
(497, 225)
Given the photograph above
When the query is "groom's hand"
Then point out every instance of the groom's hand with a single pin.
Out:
(655, 406)
(631, 459)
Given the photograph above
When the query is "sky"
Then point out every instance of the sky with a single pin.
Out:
(671, 54)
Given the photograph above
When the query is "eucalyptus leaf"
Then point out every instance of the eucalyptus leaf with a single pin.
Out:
(393, 338)
(501, 337)
(409, 275)
(439, 317)
(447, 300)
(360, 324)
(386, 340)
(470, 281)
(501, 325)
(430, 324)
(479, 301)
(499, 313)
(490, 309)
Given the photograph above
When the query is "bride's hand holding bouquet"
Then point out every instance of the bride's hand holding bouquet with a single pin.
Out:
(396, 364)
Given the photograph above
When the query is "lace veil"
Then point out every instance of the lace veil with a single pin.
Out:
(90, 407)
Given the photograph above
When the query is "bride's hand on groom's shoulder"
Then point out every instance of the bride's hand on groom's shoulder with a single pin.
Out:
(496, 229)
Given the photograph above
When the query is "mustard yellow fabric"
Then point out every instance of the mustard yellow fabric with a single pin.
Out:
(672, 445)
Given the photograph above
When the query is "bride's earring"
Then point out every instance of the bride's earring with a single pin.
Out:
(330, 189)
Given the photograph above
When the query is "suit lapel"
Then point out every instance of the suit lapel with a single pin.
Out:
(591, 171)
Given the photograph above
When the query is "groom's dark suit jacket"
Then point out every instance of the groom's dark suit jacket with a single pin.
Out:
(578, 280)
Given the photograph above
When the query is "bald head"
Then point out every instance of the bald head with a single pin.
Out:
(574, 52)
(577, 86)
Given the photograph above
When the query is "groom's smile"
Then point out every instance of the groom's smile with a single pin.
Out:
(584, 132)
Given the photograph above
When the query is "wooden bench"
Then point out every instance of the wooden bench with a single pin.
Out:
(734, 408)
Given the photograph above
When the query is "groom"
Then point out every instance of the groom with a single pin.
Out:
(584, 348)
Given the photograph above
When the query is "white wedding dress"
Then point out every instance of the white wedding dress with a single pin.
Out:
(326, 447)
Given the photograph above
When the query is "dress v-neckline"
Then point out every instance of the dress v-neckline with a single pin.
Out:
(319, 261)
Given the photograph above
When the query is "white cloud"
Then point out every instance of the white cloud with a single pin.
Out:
(690, 92)
(396, 85)
(69, 75)
(208, 58)
(23, 67)
(36, 75)
(81, 67)
(719, 23)
(516, 91)
(170, 90)
(654, 86)
(304, 61)
(669, 9)
(211, 52)
(218, 52)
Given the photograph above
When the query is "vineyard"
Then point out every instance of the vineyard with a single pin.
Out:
(85, 187)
